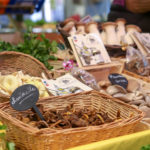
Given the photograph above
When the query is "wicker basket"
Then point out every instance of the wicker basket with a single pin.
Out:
(11, 62)
(27, 137)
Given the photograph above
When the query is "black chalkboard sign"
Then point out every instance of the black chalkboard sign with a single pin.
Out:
(24, 98)
(118, 79)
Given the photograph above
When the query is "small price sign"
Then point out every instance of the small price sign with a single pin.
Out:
(118, 79)
(24, 98)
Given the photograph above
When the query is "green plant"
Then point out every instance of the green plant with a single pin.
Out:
(42, 50)
(146, 147)
(5, 145)
(29, 23)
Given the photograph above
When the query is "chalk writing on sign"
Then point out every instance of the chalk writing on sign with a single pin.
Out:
(118, 79)
(22, 96)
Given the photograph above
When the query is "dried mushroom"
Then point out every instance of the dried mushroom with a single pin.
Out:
(125, 97)
(113, 89)
(70, 117)
(145, 109)
(133, 85)
(147, 100)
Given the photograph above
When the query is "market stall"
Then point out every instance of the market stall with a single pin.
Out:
(84, 87)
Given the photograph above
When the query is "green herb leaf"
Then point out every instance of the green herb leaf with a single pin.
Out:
(40, 49)
(147, 147)
(10, 146)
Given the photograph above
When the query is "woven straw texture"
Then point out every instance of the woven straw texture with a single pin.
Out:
(11, 62)
(31, 138)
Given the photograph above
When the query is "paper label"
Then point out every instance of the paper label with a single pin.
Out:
(64, 85)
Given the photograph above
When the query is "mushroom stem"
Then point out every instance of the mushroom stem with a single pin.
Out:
(92, 27)
(72, 31)
(120, 29)
(130, 29)
(103, 36)
(80, 29)
(69, 26)
(111, 36)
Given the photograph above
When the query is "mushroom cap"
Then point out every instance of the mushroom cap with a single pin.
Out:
(92, 22)
(121, 20)
(67, 29)
(88, 24)
(69, 20)
(125, 97)
(80, 24)
(104, 25)
(133, 85)
(133, 26)
(104, 83)
(113, 89)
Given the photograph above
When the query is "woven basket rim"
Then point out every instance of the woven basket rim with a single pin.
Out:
(31, 57)
(48, 131)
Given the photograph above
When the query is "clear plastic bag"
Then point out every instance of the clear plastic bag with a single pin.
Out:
(85, 78)
(136, 62)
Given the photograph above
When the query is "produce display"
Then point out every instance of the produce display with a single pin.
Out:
(113, 33)
(67, 118)
(136, 94)
(82, 97)
(120, 33)
(42, 50)
(8, 83)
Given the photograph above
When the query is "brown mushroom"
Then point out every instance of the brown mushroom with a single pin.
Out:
(69, 26)
(80, 28)
(92, 27)
(68, 22)
(133, 85)
(104, 83)
(133, 28)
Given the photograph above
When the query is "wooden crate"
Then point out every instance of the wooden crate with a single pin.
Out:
(145, 84)
(101, 72)
(144, 78)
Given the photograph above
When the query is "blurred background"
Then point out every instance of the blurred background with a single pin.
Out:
(51, 10)
(43, 15)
